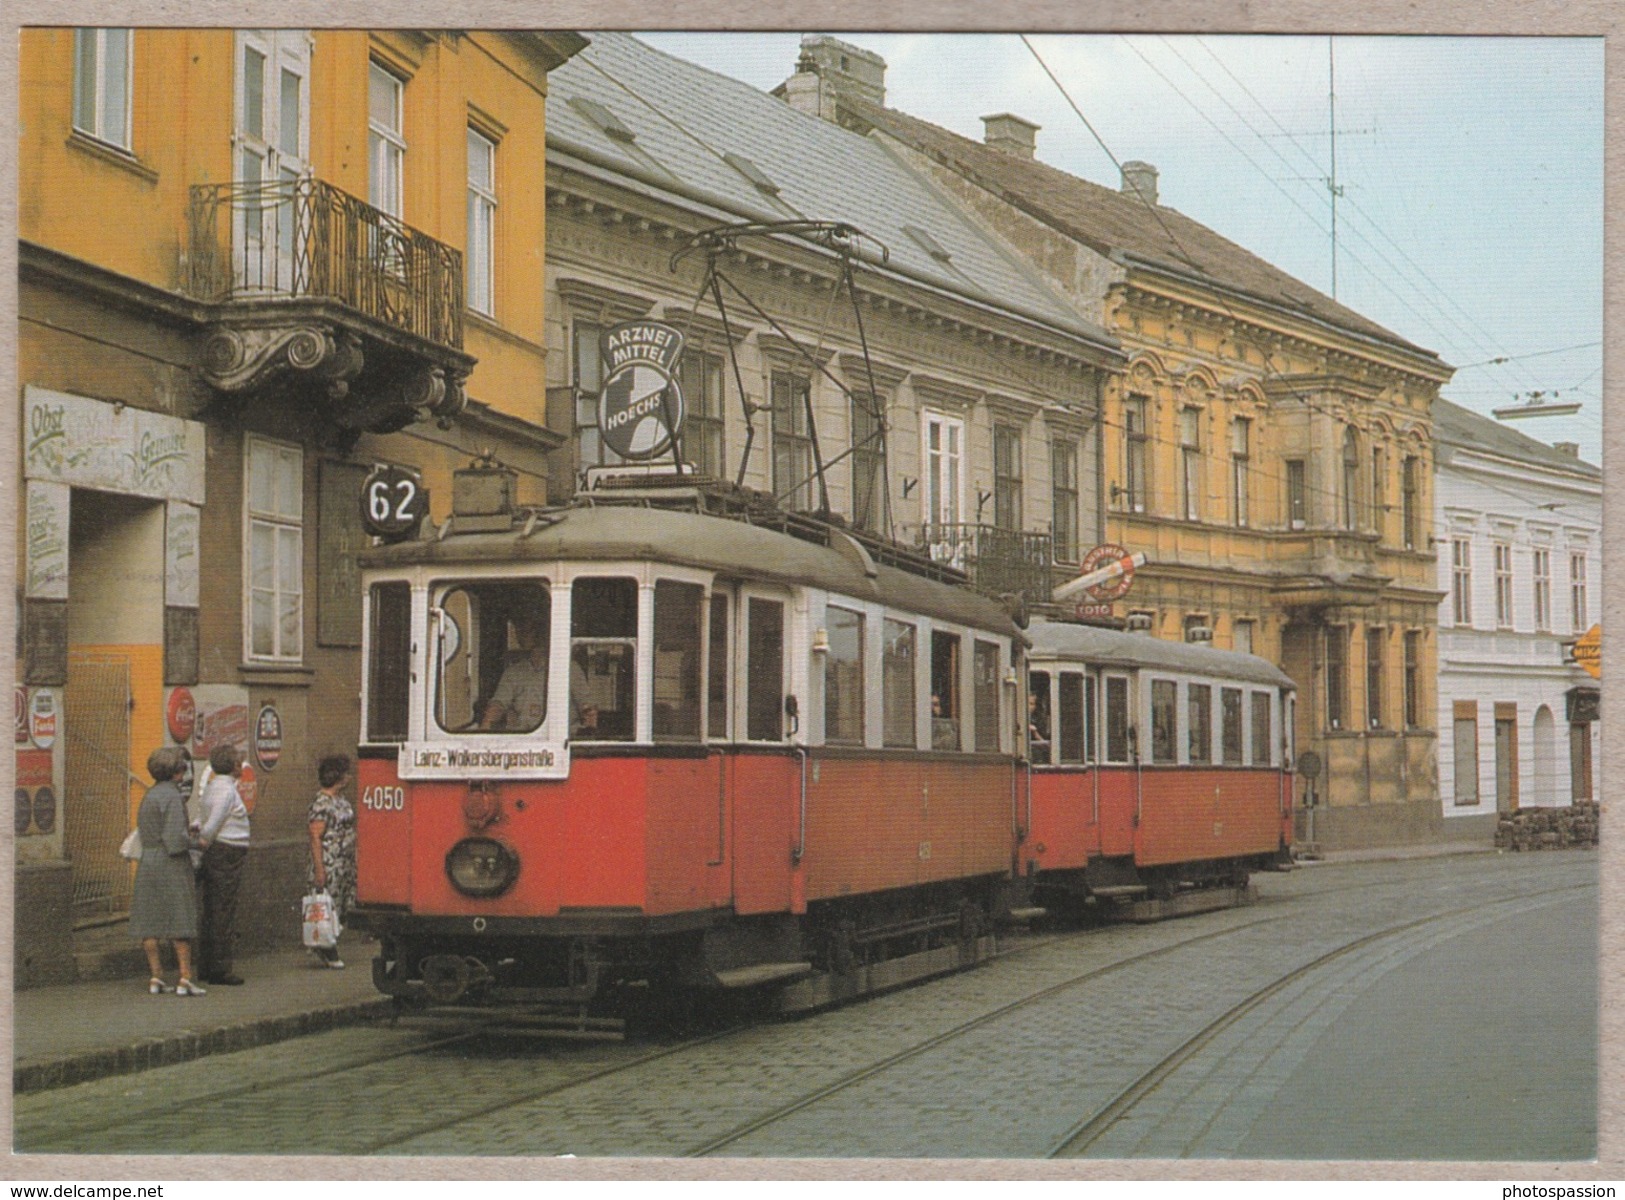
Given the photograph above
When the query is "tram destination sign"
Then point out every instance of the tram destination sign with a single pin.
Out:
(393, 501)
(640, 409)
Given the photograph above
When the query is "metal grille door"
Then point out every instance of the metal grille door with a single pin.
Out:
(96, 800)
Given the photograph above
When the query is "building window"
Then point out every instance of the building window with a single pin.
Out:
(1064, 500)
(1240, 456)
(1379, 494)
(792, 441)
(1190, 463)
(1543, 589)
(101, 84)
(1164, 717)
(700, 376)
(587, 352)
(386, 148)
(1006, 477)
(1134, 451)
(1337, 643)
(1297, 494)
(275, 550)
(1351, 479)
(1230, 725)
(843, 677)
(271, 133)
(479, 259)
(1503, 585)
(1461, 581)
(1242, 634)
(1374, 638)
(1413, 678)
(1199, 700)
(1466, 752)
(1408, 483)
(869, 462)
(944, 437)
(1577, 591)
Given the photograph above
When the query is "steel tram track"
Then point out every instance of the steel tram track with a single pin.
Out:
(1095, 1126)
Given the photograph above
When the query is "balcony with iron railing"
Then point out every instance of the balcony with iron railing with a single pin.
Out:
(307, 279)
(305, 238)
(998, 561)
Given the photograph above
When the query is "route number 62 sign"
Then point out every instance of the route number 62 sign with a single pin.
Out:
(393, 501)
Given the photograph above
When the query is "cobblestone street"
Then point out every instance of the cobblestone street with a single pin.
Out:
(1349, 1013)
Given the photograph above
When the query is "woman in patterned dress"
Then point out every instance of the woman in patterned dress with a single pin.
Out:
(332, 844)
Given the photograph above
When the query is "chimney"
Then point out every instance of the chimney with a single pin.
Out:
(842, 67)
(1572, 449)
(1140, 177)
(1011, 134)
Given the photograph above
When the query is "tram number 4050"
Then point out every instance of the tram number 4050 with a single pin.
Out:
(384, 799)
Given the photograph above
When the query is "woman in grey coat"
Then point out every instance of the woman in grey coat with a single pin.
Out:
(164, 904)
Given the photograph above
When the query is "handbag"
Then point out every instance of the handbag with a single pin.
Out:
(321, 922)
(130, 847)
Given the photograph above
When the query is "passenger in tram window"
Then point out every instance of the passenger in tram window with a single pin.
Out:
(520, 702)
(944, 730)
(1038, 723)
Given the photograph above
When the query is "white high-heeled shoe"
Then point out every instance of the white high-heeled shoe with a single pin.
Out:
(187, 988)
(157, 987)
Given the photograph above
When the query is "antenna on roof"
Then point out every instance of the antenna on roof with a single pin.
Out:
(1537, 404)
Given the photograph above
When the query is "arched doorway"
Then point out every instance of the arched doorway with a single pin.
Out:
(1545, 775)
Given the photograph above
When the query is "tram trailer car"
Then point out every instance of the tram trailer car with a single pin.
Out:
(1158, 768)
(727, 773)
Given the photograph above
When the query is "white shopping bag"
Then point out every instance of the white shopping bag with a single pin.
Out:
(321, 922)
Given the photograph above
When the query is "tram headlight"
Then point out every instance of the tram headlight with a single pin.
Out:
(481, 866)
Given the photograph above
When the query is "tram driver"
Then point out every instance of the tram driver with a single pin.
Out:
(520, 702)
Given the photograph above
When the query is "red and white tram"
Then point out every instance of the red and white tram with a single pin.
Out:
(643, 740)
(1158, 768)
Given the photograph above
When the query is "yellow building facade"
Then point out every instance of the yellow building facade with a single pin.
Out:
(253, 264)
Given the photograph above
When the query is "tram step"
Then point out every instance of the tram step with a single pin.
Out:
(1024, 915)
(744, 977)
(1126, 889)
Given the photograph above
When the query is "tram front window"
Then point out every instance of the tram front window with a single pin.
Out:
(603, 659)
(491, 644)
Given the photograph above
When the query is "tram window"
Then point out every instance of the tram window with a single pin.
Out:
(1230, 724)
(1201, 722)
(490, 643)
(678, 612)
(603, 659)
(985, 685)
(1070, 695)
(897, 701)
(944, 691)
(843, 677)
(1089, 718)
(1164, 714)
(1261, 729)
(717, 670)
(1116, 719)
(389, 666)
(1038, 714)
(764, 701)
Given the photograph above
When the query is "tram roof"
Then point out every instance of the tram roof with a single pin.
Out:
(734, 548)
(1113, 648)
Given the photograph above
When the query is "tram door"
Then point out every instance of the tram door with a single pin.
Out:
(764, 784)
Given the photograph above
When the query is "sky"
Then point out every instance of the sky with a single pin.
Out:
(1470, 170)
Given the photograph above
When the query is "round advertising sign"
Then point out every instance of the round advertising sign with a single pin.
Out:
(45, 810)
(1108, 555)
(640, 409)
(268, 738)
(180, 714)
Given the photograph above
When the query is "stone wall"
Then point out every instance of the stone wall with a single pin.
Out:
(1548, 828)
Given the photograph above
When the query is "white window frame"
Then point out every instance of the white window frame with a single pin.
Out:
(104, 89)
(479, 256)
(1241, 429)
(1542, 573)
(287, 530)
(1578, 606)
(1461, 581)
(386, 145)
(944, 499)
(278, 156)
(1190, 462)
(1503, 585)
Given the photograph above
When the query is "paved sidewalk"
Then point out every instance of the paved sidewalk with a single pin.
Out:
(70, 1033)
